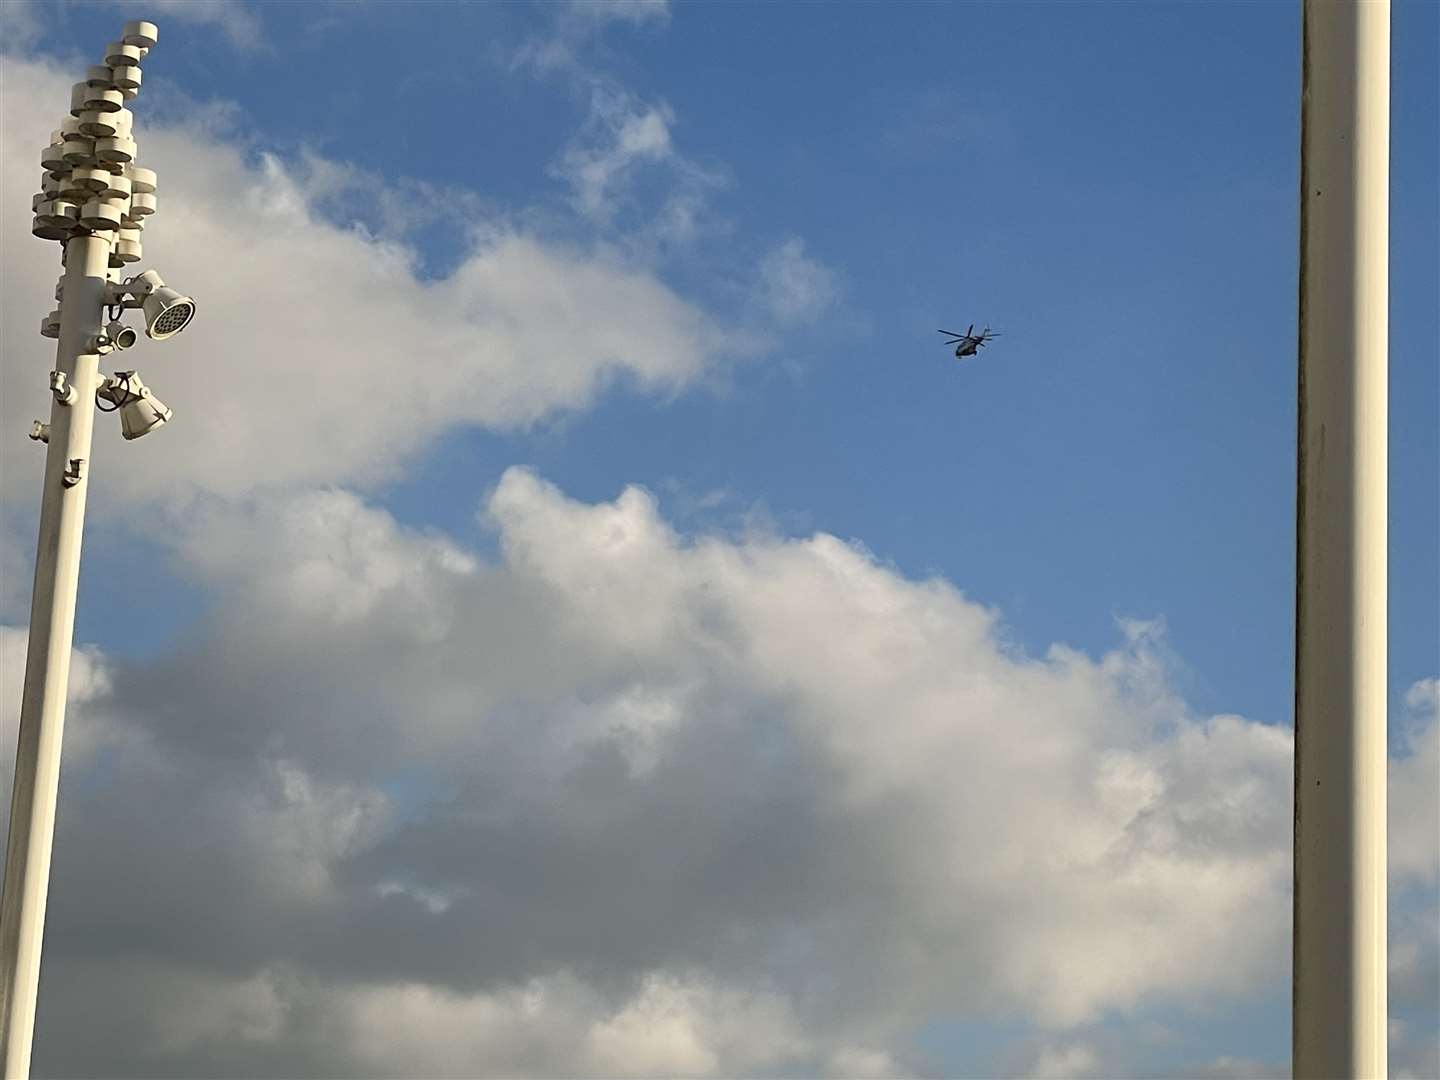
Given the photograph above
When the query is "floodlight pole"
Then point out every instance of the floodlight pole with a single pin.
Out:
(94, 200)
(47, 660)
(1339, 1004)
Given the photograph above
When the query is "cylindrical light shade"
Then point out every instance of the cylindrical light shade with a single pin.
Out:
(142, 35)
(118, 54)
(59, 212)
(76, 188)
(102, 100)
(79, 151)
(127, 250)
(99, 125)
(118, 150)
(101, 216)
(52, 158)
(93, 178)
(47, 230)
(142, 180)
(125, 77)
(117, 188)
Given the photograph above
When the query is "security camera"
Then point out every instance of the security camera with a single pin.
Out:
(167, 311)
(120, 335)
(116, 335)
(141, 412)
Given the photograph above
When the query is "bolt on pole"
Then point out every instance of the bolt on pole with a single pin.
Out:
(1339, 1003)
(94, 199)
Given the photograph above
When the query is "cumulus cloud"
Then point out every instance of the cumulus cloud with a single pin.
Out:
(87, 733)
(1414, 842)
(708, 805)
(319, 355)
(619, 800)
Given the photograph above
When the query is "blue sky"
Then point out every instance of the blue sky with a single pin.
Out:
(809, 192)
(1111, 186)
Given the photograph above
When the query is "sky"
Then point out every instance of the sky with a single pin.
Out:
(581, 620)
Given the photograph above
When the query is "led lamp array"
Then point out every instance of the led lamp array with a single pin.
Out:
(92, 182)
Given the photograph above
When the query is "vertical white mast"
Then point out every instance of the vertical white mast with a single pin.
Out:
(95, 199)
(1339, 1000)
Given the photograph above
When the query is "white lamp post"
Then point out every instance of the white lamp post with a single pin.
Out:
(94, 199)
(1339, 1004)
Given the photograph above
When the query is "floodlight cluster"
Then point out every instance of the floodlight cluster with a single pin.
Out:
(93, 182)
(94, 187)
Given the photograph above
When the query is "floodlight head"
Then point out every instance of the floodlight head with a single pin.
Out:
(141, 412)
(167, 311)
(142, 415)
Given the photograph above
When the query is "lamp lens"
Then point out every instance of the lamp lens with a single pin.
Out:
(173, 319)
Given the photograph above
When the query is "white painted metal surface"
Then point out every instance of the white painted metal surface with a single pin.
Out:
(94, 199)
(1340, 679)
(47, 661)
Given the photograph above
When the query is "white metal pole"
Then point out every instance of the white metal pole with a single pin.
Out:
(47, 662)
(1339, 1003)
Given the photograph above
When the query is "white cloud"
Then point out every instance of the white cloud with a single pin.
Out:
(1069, 1059)
(1414, 801)
(318, 355)
(575, 24)
(626, 801)
(627, 178)
(620, 135)
(761, 805)
(794, 287)
(1414, 1054)
(237, 20)
(16, 568)
(86, 732)
(20, 26)
(623, 800)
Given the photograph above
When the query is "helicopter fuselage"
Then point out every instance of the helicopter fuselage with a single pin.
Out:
(968, 343)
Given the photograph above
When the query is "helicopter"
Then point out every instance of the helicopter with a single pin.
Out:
(968, 343)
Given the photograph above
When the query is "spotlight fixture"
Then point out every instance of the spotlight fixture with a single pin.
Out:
(141, 412)
(167, 310)
(94, 199)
